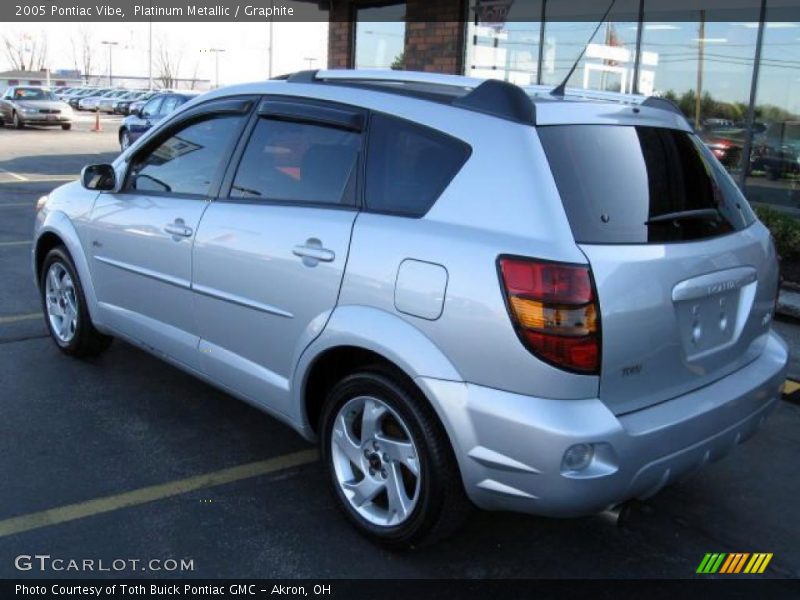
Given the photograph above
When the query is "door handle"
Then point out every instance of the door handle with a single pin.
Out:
(178, 229)
(312, 252)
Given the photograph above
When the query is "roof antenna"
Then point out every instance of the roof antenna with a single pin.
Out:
(561, 87)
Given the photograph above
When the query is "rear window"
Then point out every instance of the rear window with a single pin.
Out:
(638, 185)
(409, 166)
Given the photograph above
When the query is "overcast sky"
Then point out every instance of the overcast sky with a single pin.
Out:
(296, 46)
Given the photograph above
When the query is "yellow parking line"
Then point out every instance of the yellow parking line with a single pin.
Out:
(17, 318)
(790, 387)
(97, 506)
(20, 243)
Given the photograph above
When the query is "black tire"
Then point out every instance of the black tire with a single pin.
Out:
(17, 122)
(86, 341)
(442, 504)
(124, 139)
(66, 126)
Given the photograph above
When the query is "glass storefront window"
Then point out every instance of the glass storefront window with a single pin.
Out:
(608, 62)
(502, 46)
(774, 176)
(380, 37)
(705, 66)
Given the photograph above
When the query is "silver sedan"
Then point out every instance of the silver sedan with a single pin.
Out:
(22, 106)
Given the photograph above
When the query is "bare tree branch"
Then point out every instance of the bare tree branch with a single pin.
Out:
(83, 51)
(25, 51)
(168, 64)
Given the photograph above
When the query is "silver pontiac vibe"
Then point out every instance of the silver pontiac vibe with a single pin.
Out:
(469, 293)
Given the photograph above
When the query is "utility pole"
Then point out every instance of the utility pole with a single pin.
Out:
(216, 52)
(701, 41)
(150, 57)
(110, 63)
(269, 48)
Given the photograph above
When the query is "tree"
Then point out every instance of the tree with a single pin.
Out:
(83, 51)
(168, 64)
(398, 64)
(25, 51)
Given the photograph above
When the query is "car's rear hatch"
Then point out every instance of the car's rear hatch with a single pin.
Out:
(685, 278)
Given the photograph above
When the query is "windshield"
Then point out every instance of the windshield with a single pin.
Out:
(33, 94)
(637, 185)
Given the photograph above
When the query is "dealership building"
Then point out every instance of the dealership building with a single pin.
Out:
(732, 66)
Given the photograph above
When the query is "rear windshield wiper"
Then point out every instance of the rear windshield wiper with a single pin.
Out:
(681, 215)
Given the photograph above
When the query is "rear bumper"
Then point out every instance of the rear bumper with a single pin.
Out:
(510, 448)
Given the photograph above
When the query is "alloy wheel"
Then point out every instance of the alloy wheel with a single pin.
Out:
(375, 461)
(61, 301)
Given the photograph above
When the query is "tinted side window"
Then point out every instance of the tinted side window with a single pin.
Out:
(169, 104)
(186, 161)
(152, 107)
(624, 184)
(409, 166)
(298, 162)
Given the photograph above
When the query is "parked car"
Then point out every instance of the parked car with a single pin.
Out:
(778, 153)
(466, 292)
(155, 109)
(727, 149)
(122, 105)
(74, 99)
(92, 101)
(28, 105)
(106, 103)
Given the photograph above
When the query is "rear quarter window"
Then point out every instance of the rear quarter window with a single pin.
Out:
(637, 185)
(409, 166)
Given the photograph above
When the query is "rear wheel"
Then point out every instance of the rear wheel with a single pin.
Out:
(389, 461)
(64, 305)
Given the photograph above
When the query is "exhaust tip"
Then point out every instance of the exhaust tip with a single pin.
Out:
(617, 515)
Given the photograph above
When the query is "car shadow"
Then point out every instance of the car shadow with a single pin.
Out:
(55, 164)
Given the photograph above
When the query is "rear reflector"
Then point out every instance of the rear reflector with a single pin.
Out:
(554, 310)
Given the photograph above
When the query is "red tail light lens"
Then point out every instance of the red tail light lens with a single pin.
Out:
(554, 309)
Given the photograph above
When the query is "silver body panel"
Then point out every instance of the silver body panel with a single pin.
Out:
(234, 303)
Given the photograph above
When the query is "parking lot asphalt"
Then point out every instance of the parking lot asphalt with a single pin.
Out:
(126, 457)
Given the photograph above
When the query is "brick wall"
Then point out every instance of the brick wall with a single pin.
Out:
(340, 35)
(434, 35)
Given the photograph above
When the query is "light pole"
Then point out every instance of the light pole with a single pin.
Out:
(216, 52)
(150, 56)
(311, 60)
(110, 63)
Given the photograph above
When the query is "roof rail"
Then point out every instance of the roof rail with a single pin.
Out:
(500, 99)
(663, 103)
(488, 96)
(379, 75)
(302, 76)
(544, 91)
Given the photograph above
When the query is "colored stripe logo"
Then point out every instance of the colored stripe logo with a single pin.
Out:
(734, 563)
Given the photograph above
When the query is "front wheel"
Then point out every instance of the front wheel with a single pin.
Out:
(18, 124)
(64, 306)
(390, 462)
(66, 126)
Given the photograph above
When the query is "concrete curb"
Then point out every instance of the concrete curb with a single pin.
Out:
(789, 303)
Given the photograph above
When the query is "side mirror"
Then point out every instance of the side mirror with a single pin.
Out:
(136, 112)
(99, 177)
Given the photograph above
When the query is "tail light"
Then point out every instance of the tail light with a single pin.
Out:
(554, 309)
